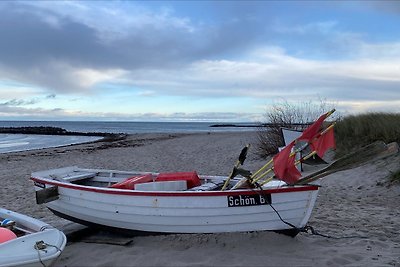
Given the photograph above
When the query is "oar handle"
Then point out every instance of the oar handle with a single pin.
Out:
(240, 161)
(296, 163)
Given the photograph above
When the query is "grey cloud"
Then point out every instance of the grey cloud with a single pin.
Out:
(37, 51)
(51, 96)
(364, 90)
(10, 111)
(339, 87)
(59, 113)
(26, 102)
(285, 80)
(27, 41)
(19, 102)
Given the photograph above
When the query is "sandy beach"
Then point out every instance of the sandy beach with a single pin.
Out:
(357, 206)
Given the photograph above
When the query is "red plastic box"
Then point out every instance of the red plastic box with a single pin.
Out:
(130, 182)
(191, 178)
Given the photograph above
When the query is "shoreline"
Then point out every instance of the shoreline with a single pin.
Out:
(355, 202)
(10, 143)
(47, 132)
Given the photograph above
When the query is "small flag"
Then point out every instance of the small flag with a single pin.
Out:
(284, 167)
(312, 130)
(324, 142)
(292, 174)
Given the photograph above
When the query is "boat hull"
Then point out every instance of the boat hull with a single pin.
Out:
(26, 250)
(184, 212)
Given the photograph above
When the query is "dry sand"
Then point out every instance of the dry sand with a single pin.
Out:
(356, 202)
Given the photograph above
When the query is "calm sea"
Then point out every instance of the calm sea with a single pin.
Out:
(19, 142)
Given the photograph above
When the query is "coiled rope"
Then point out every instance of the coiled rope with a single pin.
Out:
(41, 246)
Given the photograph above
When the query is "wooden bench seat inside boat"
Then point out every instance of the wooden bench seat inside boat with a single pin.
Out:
(74, 176)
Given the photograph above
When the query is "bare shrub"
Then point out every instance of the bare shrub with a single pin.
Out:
(296, 116)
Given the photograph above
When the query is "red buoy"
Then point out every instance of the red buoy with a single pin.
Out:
(6, 235)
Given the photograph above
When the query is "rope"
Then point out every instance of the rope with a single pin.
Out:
(270, 204)
(41, 246)
(308, 229)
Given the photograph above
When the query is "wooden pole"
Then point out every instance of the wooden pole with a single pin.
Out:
(296, 163)
(253, 179)
(294, 152)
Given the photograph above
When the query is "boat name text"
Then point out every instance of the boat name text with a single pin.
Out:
(249, 200)
(38, 184)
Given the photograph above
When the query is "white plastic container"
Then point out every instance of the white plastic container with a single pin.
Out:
(162, 186)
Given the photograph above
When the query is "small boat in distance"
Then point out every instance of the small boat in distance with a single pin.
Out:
(172, 202)
(25, 241)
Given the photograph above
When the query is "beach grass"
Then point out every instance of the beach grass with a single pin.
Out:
(395, 177)
(355, 131)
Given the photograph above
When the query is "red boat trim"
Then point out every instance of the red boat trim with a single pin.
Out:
(113, 191)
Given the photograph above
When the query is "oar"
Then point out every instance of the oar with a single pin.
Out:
(243, 180)
(263, 168)
(256, 179)
(240, 161)
(312, 153)
(352, 160)
(264, 171)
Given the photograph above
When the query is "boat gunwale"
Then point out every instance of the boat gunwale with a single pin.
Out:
(114, 191)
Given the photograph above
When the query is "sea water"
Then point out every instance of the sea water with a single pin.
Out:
(21, 142)
(128, 127)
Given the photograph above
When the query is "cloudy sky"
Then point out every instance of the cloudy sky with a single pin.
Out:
(216, 61)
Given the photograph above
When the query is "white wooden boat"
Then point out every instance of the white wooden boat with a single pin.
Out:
(36, 243)
(85, 196)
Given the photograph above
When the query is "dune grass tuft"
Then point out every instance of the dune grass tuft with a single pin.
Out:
(355, 131)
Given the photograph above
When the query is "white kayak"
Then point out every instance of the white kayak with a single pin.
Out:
(36, 243)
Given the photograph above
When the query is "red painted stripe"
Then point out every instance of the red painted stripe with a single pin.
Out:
(175, 194)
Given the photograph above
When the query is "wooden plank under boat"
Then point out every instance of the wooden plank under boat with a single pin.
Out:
(35, 244)
(86, 196)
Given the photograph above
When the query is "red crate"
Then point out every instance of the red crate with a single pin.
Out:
(130, 182)
(191, 178)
